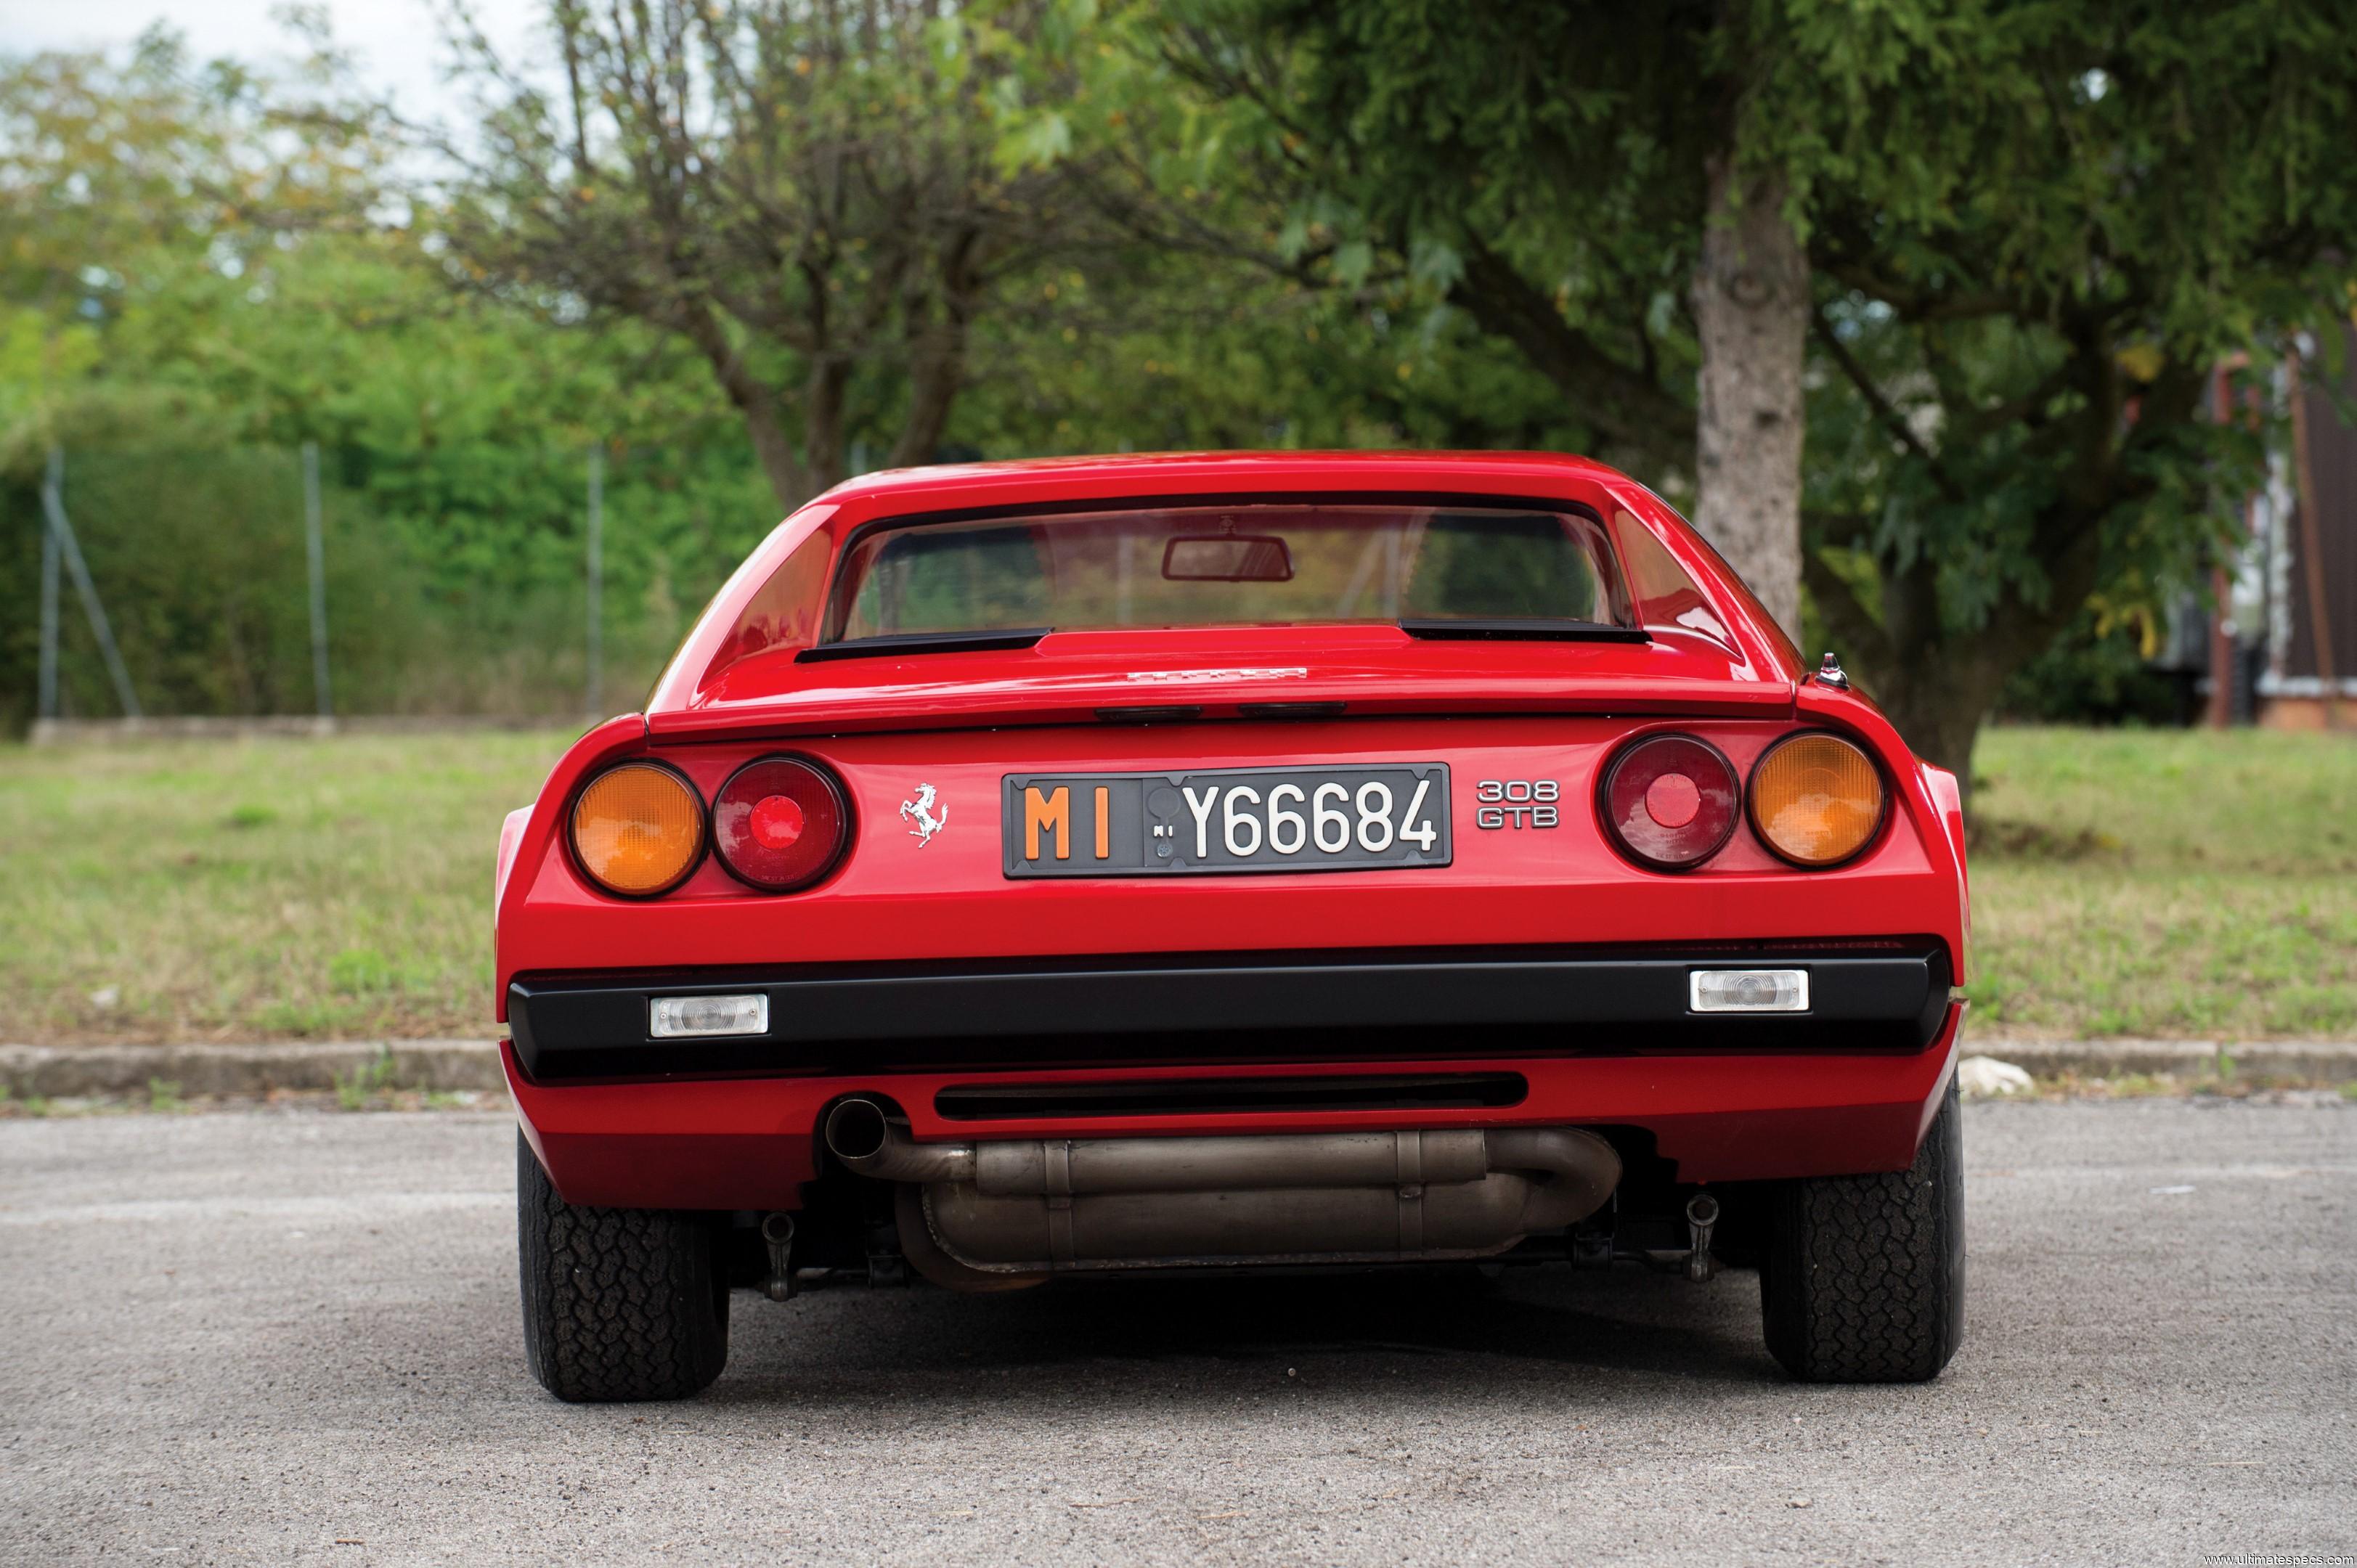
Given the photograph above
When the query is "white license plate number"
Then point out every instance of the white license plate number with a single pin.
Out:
(1383, 816)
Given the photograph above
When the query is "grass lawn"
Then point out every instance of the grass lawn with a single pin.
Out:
(2126, 883)
(265, 888)
(2165, 883)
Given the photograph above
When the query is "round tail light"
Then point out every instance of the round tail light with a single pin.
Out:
(1670, 801)
(638, 830)
(1816, 800)
(781, 824)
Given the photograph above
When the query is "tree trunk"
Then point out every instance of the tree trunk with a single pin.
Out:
(788, 481)
(937, 353)
(1939, 702)
(1938, 686)
(825, 453)
(934, 381)
(1751, 310)
(775, 451)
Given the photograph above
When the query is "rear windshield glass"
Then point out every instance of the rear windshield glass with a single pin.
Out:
(1240, 565)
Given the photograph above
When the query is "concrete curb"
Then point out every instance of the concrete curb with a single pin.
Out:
(2308, 1061)
(64, 1072)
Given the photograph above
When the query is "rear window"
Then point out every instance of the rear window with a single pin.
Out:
(1278, 565)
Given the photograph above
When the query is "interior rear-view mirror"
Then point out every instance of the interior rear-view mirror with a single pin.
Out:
(1227, 558)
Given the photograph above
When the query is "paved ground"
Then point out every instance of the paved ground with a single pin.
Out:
(260, 1336)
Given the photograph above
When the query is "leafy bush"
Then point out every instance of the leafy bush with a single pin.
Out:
(2096, 673)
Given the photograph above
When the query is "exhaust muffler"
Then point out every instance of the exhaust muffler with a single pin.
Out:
(1031, 1208)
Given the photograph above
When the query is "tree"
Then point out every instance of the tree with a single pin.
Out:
(2038, 230)
(1752, 323)
(2029, 232)
(1584, 180)
(1536, 168)
(821, 199)
(134, 190)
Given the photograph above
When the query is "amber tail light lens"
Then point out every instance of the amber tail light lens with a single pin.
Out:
(638, 830)
(781, 824)
(1816, 800)
(1670, 801)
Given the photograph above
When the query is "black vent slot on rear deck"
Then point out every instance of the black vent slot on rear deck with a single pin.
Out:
(1215, 1096)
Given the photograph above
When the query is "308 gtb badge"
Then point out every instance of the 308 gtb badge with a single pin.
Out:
(1524, 802)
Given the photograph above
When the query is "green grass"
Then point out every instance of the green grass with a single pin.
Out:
(355, 1092)
(2170, 883)
(2126, 883)
(266, 888)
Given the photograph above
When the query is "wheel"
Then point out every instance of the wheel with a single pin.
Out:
(619, 1304)
(1862, 1279)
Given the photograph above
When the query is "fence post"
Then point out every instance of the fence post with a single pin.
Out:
(53, 505)
(315, 546)
(49, 681)
(597, 541)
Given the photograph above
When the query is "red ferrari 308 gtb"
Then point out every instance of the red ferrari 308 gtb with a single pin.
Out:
(1234, 860)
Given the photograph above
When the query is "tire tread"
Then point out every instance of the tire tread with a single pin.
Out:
(619, 1304)
(1863, 1280)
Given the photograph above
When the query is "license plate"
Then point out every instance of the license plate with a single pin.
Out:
(1226, 819)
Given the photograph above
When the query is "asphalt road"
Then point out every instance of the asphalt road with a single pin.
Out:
(256, 1336)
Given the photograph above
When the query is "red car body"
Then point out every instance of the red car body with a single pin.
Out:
(631, 1124)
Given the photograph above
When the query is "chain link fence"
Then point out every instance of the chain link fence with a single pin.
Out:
(260, 581)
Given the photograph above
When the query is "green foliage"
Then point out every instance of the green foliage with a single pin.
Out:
(1531, 173)
(364, 1083)
(182, 308)
(2037, 229)
(2095, 672)
(2034, 229)
(1080, 227)
(818, 212)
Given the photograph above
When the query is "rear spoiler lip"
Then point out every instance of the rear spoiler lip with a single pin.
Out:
(928, 706)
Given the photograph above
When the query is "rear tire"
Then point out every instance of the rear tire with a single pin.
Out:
(1863, 1277)
(619, 1304)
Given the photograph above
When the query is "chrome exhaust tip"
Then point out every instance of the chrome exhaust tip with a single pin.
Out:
(866, 1140)
(856, 1129)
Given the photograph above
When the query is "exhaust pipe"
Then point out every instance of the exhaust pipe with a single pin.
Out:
(778, 1236)
(1031, 1208)
(1702, 1217)
(867, 1143)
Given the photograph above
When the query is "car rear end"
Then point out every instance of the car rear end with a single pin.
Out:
(902, 934)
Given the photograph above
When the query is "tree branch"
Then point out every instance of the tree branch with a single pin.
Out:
(1630, 408)
(1863, 639)
(1884, 409)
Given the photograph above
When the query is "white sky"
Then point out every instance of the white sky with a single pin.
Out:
(397, 44)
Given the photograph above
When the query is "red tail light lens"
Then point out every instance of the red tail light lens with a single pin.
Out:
(1670, 801)
(781, 824)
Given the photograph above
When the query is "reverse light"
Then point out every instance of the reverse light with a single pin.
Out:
(1669, 801)
(703, 1017)
(781, 824)
(1748, 991)
(638, 830)
(1816, 800)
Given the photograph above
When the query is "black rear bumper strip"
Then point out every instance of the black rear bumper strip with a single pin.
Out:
(1231, 1006)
